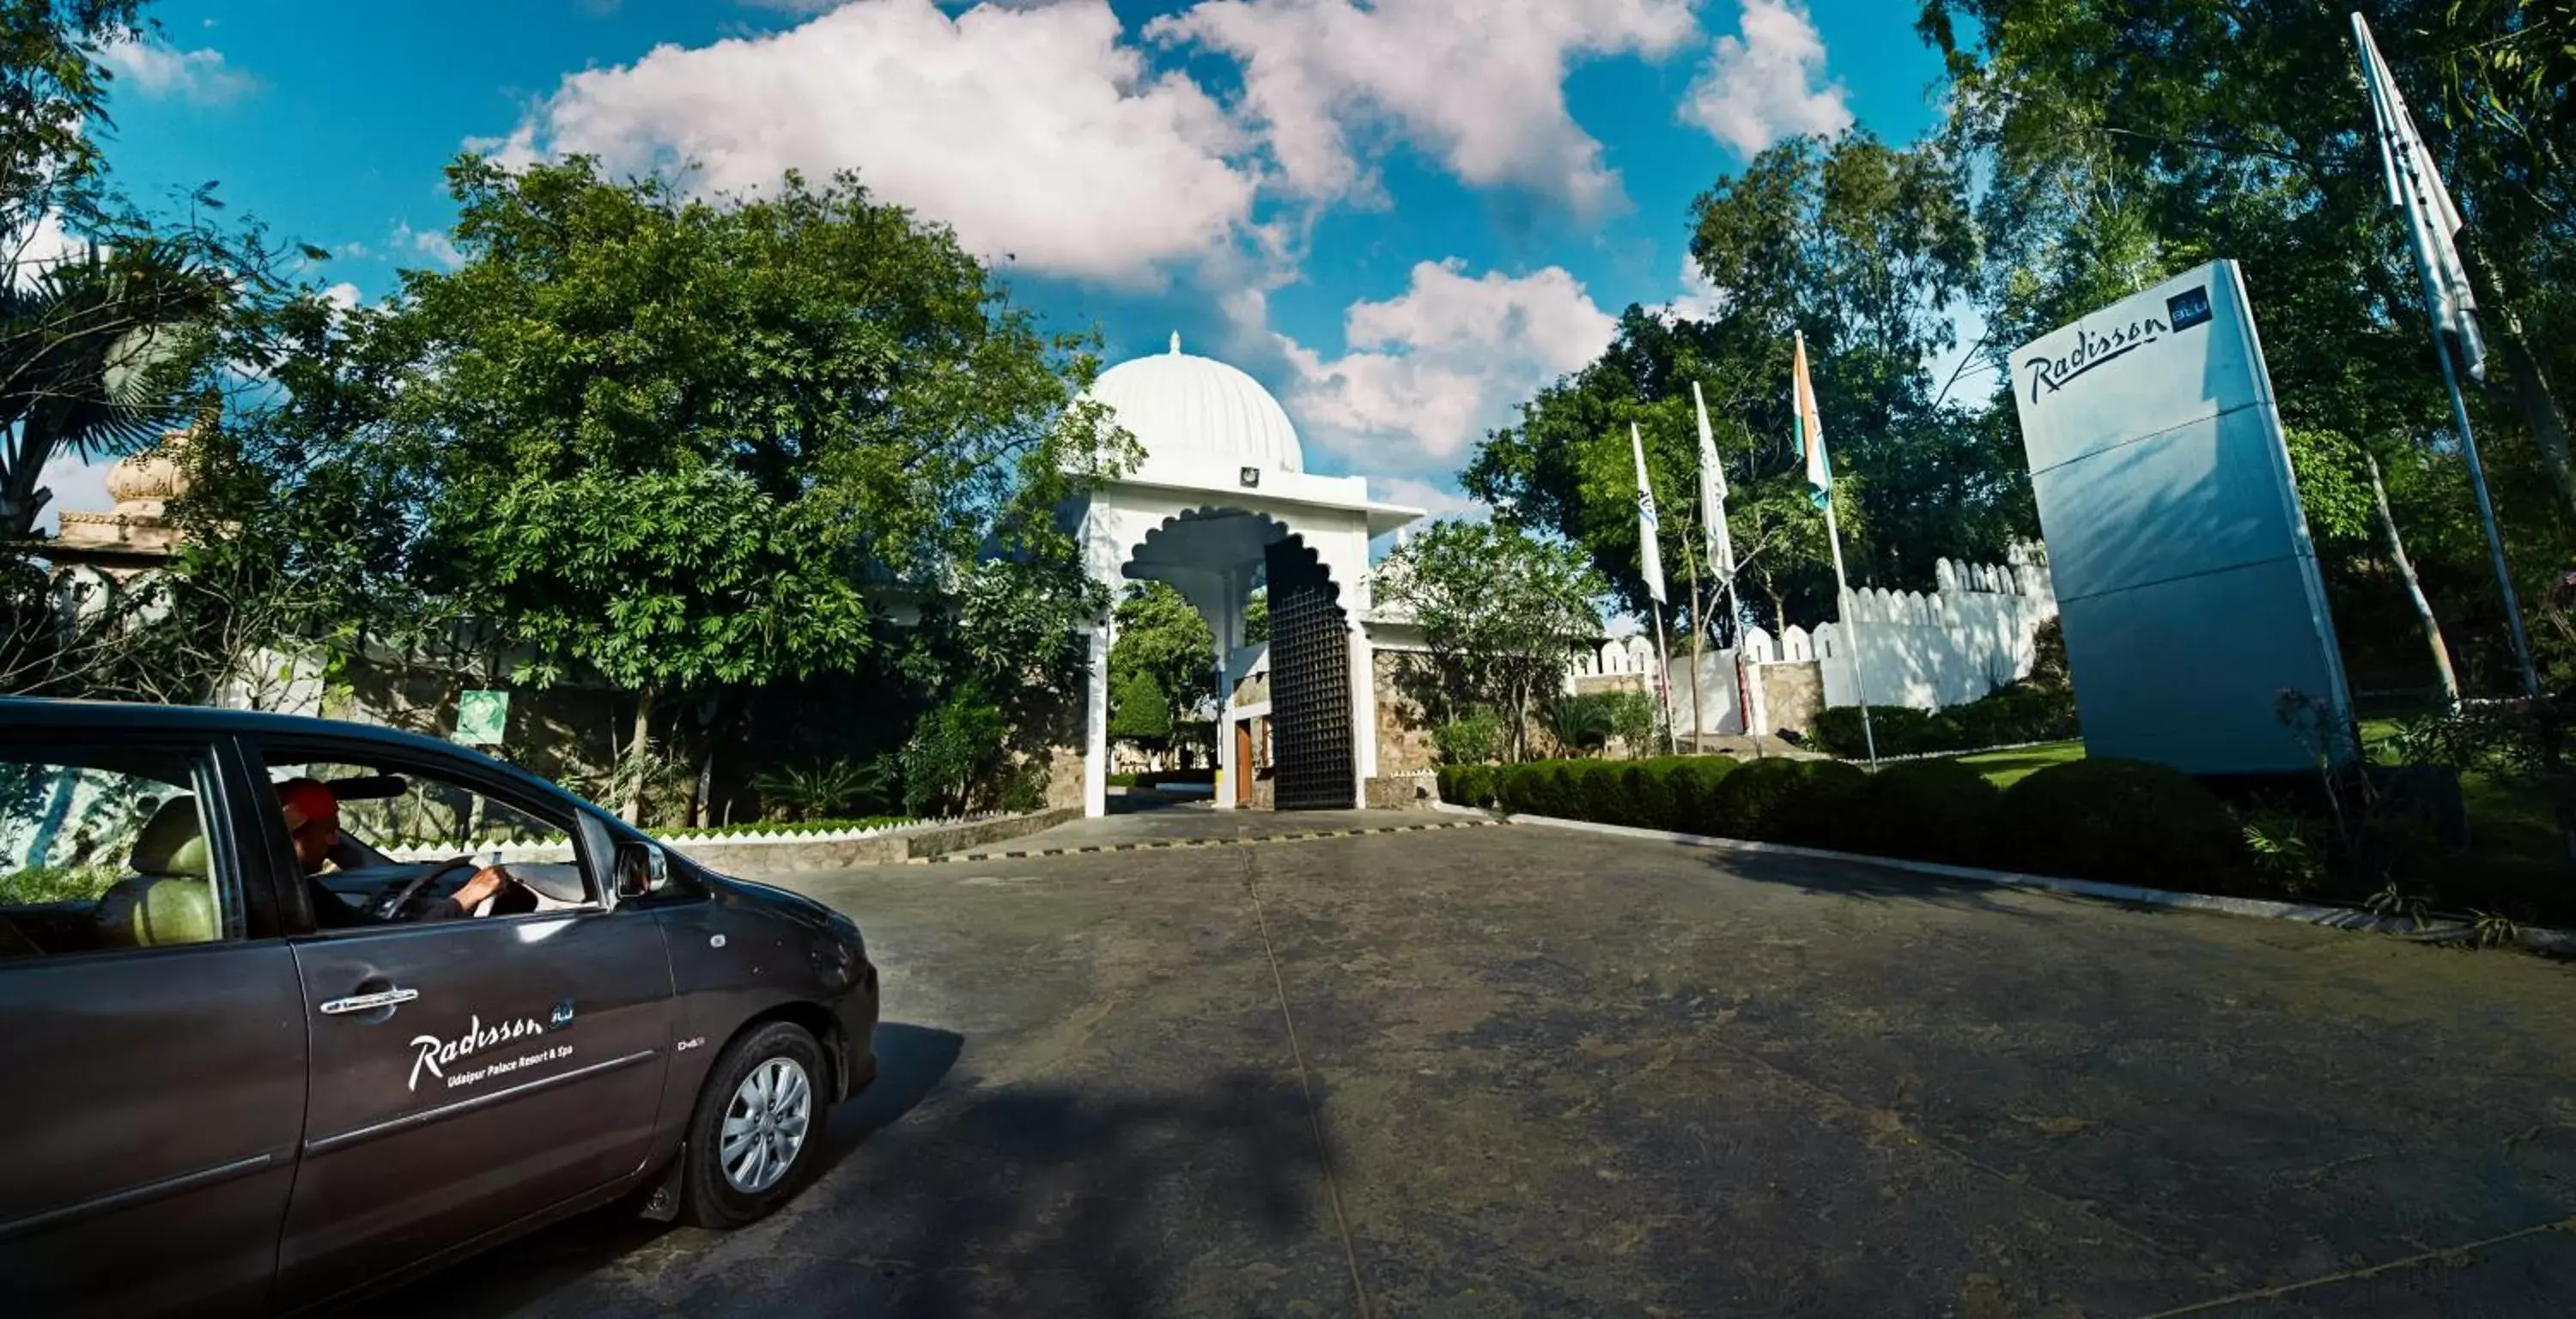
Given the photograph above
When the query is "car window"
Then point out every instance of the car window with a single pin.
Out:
(106, 849)
(398, 819)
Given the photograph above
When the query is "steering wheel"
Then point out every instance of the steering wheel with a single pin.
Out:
(393, 906)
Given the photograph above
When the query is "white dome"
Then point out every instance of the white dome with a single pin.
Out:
(1198, 420)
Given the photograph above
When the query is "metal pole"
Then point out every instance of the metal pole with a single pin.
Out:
(1699, 627)
(1842, 606)
(2486, 517)
(1664, 679)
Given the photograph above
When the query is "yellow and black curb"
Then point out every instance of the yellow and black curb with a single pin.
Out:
(1168, 844)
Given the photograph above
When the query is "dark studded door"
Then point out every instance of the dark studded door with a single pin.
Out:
(1310, 683)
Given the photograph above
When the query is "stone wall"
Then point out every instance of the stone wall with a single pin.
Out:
(1793, 693)
(1404, 744)
(1402, 792)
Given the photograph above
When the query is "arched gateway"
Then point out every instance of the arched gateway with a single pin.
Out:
(1222, 504)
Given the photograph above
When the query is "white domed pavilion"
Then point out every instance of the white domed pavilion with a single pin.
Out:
(1220, 504)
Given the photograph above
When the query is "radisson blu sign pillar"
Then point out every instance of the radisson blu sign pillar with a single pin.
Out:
(2184, 573)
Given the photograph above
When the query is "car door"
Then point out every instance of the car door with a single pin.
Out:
(467, 1073)
(153, 1027)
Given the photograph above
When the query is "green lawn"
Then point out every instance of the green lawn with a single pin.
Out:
(2005, 768)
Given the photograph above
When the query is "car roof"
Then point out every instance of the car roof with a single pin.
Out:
(207, 720)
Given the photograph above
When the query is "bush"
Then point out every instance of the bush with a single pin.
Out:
(1471, 740)
(1933, 810)
(1900, 730)
(1602, 791)
(1648, 788)
(2021, 712)
(1825, 806)
(1694, 781)
(1467, 785)
(1746, 803)
(2123, 822)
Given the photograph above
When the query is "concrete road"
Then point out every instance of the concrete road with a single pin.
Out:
(1517, 1072)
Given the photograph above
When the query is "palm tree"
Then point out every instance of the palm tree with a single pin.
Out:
(95, 356)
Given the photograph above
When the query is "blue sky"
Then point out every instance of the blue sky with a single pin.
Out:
(1402, 216)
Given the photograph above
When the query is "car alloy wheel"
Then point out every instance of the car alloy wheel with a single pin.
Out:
(765, 1125)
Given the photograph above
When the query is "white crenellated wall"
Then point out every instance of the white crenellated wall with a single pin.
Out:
(1970, 635)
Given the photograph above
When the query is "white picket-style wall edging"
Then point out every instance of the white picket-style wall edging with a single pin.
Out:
(560, 849)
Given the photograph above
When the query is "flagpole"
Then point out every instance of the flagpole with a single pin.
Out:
(2487, 518)
(1699, 625)
(1664, 678)
(1851, 635)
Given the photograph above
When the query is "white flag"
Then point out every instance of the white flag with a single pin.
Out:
(1650, 552)
(2432, 221)
(1712, 496)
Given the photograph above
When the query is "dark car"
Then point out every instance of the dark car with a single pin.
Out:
(244, 1078)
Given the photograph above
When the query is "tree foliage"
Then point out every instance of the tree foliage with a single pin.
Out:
(1162, 636)
(1503, 611)
(1863, 248)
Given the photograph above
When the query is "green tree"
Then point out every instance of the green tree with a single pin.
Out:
(1504, 614)
(1861, 247)
(1161, 635)
(2128, 141)
(666, 441)
(1139, 712)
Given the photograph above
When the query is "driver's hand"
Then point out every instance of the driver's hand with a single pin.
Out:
(486, 882)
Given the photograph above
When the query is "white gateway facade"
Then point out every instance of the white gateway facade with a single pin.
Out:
(1221, 504)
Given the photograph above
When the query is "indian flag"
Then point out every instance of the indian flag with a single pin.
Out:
(1811, 432)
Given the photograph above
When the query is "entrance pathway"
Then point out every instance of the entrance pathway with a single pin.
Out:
(1197, 824)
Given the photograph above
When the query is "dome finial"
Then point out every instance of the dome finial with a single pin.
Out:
(1176, 343)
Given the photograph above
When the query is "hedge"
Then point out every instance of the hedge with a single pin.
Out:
(2125, 822)
(1668, 792)
(2021, 712)
(2113, 820)
(1934, 810)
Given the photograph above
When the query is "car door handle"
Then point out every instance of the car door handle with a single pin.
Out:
(382, 998)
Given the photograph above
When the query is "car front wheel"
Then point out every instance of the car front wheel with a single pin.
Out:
(758, 1127)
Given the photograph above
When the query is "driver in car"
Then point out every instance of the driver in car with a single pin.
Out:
(313, 820)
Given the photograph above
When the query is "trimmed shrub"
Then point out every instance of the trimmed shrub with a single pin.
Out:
(1933, 810)
(1746, 803)
(2021, 712)
(1648, 788)
(1901, 731)
(1693, 781)
(1602, 791)
(1826, 806)
(2123, 822)
(1467, 785)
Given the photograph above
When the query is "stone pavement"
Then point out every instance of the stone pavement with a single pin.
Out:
(1523, 1072)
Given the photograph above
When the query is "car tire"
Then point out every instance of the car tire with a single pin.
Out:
(752, 1096)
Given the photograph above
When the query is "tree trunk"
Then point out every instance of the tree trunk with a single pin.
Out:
(706, 784)
(2414, 588)
(639, 751)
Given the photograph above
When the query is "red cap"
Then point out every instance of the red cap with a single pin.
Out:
(305, 801)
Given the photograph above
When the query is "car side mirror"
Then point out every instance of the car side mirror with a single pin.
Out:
(641, 869)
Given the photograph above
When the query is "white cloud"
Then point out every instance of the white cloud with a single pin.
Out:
(199, 76)
(1477, 83)
(1761, 87)
(1443, 503)
(344, 296)
(431, 243)
(1033, 132)
(1700, 298)
(1426, 373)
(78, 486)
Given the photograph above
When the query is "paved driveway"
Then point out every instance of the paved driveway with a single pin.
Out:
(1512, 1071)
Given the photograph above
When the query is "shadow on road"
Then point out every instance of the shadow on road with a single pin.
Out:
(1051, 1201)
(1875, 882)
(911, 1060)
